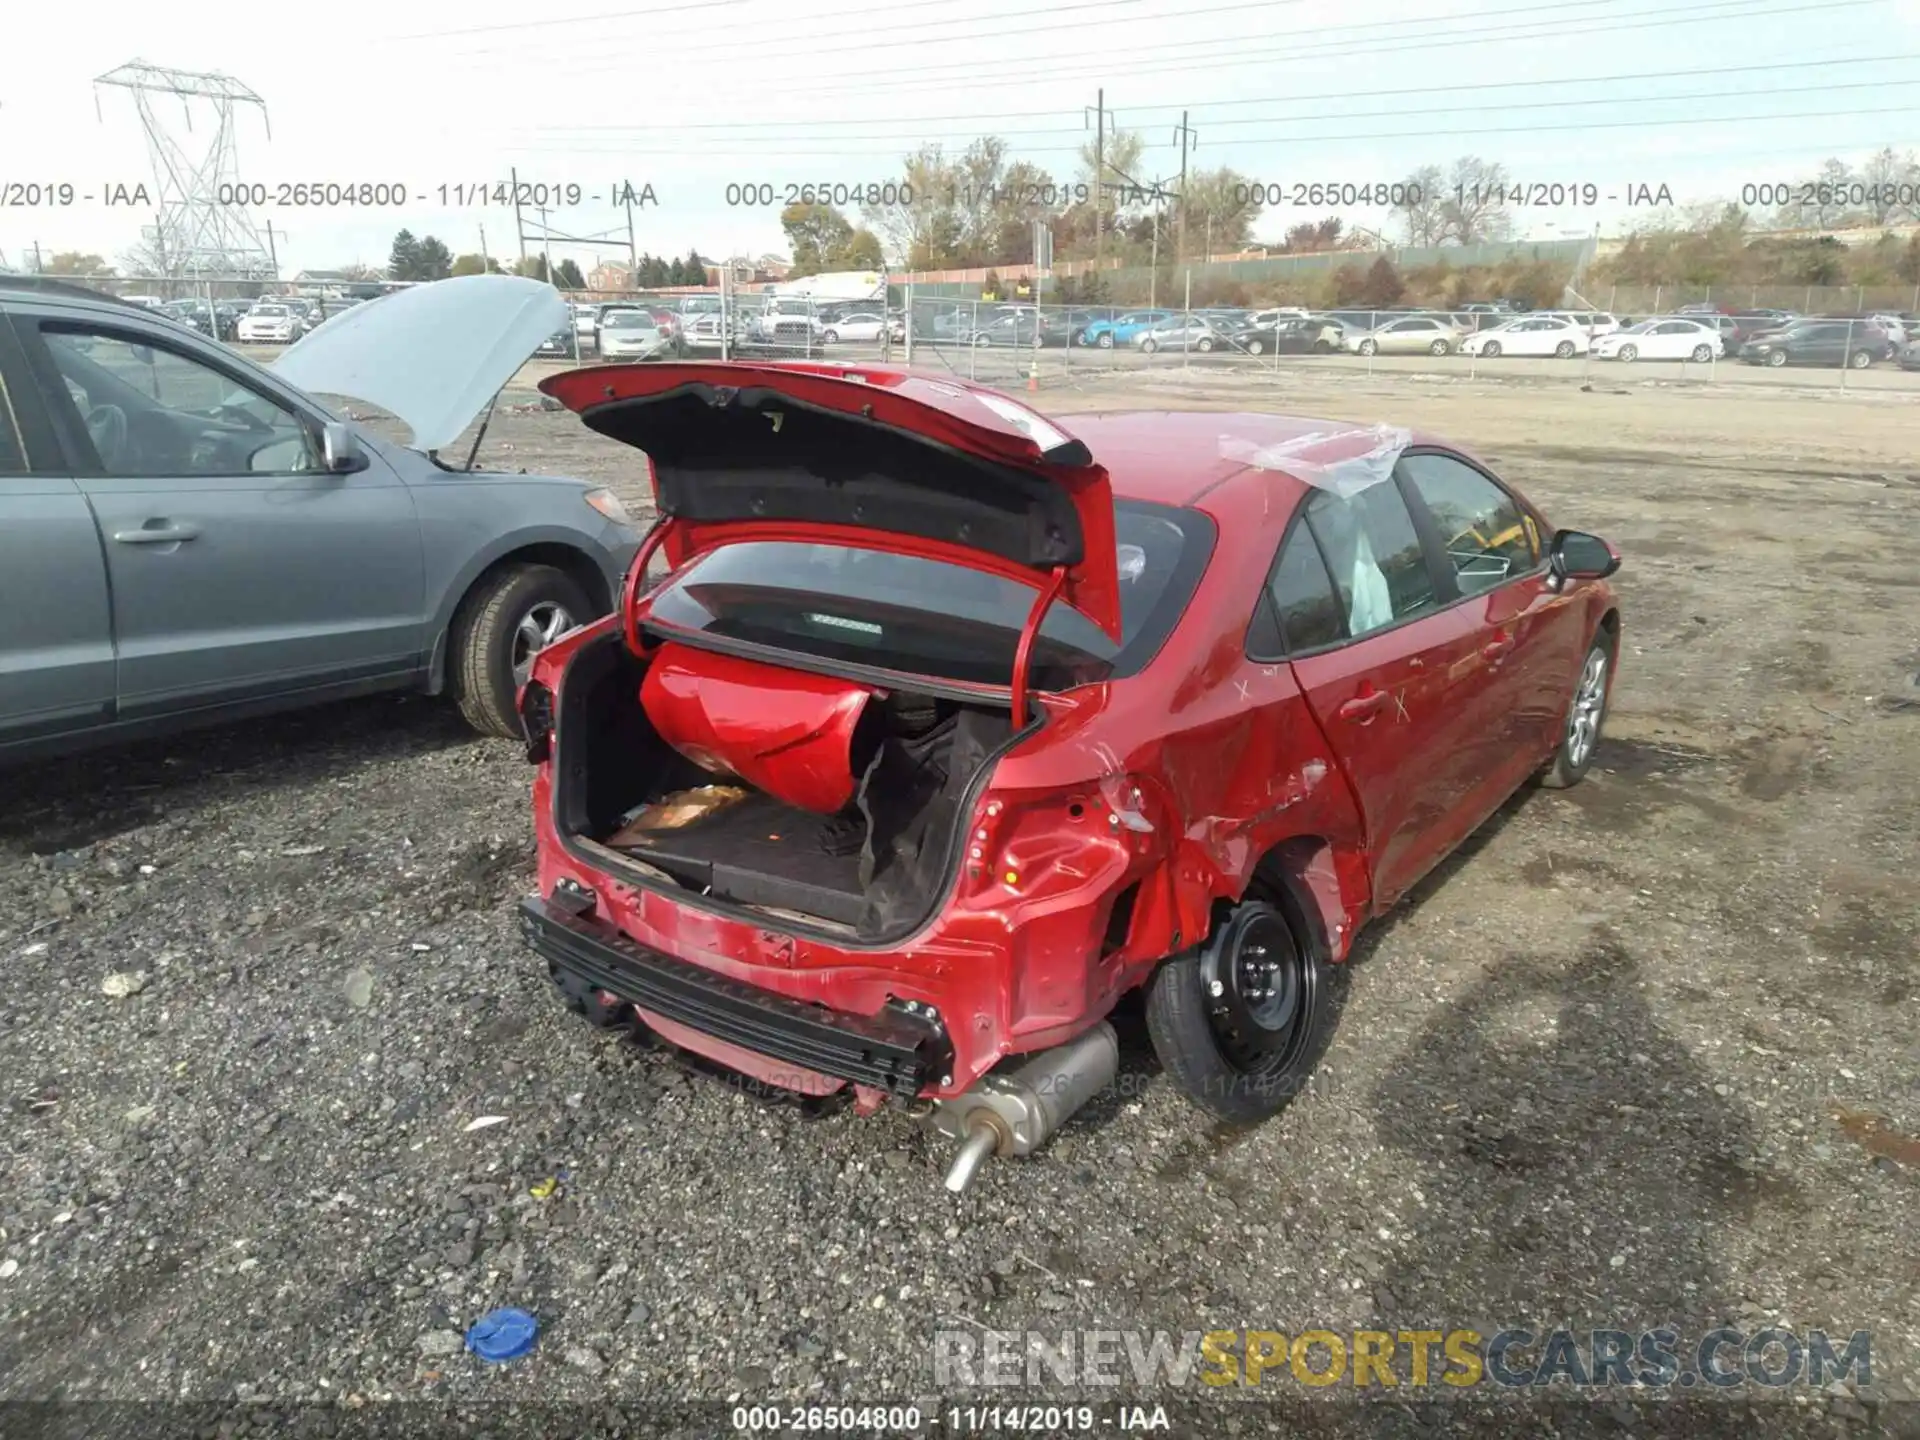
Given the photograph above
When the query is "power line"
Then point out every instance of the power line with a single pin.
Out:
(875, 36)
(972, 22)
(910, 137)
(975, 117)
(1237, 54)
(1422, 133)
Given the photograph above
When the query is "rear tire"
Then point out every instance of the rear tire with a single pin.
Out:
(1439, 347)
(1243, 1053)
(1586, 717)
(1106, 340)
(1256, 347)
(1860, 359)
(1203, 344)
(1563, 351)
(494, 627)
(1702, 354)
(1367, 347)
(1148, 346)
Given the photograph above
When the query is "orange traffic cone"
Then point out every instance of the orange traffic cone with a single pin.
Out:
(1033, 376)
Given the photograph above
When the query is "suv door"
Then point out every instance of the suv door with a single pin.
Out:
(1382, 661)
(240, 569)
(56, 647)
(1526, 642)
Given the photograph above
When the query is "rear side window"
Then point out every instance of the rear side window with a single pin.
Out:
(1487, 536)
(1309, 612)
(1374, 555)
(928, 617)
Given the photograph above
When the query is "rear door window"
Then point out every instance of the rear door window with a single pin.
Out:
(1374, 555)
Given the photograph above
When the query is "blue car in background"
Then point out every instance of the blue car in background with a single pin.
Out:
(1120, 329)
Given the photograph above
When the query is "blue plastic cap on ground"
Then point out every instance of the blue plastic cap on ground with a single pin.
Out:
(503, 1334)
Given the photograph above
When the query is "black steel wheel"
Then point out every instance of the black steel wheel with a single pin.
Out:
(1241, 1020)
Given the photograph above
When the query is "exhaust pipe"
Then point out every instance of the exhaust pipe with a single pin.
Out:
(1017, 1111)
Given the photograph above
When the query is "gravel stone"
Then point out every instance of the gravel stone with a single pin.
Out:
(271, 1186)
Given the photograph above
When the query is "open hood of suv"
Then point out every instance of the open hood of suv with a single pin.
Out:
(431, 355)
(838, 454)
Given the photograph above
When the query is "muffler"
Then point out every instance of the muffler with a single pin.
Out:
(1015, 1112)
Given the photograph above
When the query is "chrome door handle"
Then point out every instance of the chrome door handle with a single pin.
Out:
(157, 535)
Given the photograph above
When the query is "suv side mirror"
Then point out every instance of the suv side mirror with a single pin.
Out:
(1576, 555)
(340, 452)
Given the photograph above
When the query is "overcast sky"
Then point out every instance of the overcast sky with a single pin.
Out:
(690, 95)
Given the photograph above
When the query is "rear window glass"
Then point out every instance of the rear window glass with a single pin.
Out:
(928, 617)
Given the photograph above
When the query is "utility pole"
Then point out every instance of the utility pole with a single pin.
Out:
(1184, 135)
(273, 251)
(519, 229)
(633, 257)
(1099, 174)
(546, 247)
(38, 268)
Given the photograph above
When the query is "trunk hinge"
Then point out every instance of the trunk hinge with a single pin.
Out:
(1023, 656)
(636, 577)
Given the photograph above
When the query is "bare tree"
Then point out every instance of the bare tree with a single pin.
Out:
(1890, 181)
(1474, 209)
(1423, 194)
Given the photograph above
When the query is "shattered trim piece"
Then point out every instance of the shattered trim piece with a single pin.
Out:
(1345, 477)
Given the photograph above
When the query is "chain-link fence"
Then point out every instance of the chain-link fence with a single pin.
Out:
(1014, 344)
(1869, 338)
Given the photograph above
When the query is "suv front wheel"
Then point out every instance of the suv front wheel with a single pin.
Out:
(507, 618)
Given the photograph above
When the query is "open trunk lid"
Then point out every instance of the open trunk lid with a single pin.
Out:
(837, 454)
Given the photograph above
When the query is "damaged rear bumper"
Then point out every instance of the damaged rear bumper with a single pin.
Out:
(898, 1052)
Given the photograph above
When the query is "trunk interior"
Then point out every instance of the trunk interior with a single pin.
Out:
(873, 870)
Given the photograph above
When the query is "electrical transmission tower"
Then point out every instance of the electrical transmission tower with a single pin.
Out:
(196, 235)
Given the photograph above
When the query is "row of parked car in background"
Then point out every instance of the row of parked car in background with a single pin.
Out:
(1484, 331)
(637, 330)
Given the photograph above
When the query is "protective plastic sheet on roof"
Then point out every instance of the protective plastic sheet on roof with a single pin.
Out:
(1344, 477)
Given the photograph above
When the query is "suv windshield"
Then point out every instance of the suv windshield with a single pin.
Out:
(929, 617)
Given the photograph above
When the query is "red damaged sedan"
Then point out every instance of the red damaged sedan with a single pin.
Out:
(945, 728)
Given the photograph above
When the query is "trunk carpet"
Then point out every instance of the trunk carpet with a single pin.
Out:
(760, 852)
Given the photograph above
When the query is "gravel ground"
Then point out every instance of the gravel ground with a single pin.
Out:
(1643, 1054)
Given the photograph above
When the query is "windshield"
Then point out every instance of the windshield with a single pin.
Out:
(270, 312)
(626, 320)
(930, 617)
(1641, 329)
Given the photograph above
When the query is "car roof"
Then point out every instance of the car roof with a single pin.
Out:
(42, 286)
(1172, 457)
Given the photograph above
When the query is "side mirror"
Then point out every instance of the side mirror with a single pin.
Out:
(340, 452)
(1576, 555)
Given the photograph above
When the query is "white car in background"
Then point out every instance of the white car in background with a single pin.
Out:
(586, 324)
(633, 335)
(270, 325)
(861, 325)
(1595, 322)
(1671, 338)
(1529, 335)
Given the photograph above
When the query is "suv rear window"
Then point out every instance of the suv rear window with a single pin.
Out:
(932, 618)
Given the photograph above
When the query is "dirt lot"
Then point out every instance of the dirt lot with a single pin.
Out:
(1644, 1055)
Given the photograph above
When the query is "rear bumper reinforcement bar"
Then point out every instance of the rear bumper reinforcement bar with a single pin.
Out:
(899, 1053)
